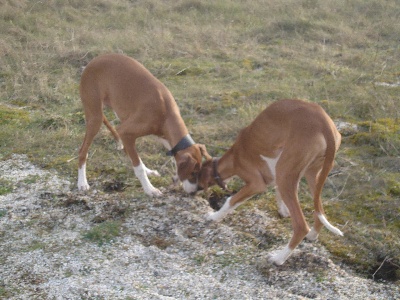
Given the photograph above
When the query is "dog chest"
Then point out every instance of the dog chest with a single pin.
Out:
(271, 163)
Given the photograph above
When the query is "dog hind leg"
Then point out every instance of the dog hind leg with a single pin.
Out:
(311, 177)
(319, 215)
(93, 125)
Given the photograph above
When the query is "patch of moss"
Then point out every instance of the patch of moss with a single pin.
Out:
(103, 233)
(6, 187)
(36, 245)
(382, 136)
(3, 212)
(393, 185)
(10, 115)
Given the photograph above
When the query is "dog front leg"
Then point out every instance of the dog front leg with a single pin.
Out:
(82, 180)
(150, 172)
(288, 186)
(141, 172)
(234, 201)
(222, 212)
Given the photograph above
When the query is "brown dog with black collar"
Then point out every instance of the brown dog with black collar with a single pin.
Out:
(288, 140)
(144, 106)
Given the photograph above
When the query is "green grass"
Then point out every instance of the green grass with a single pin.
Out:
(103, 233)
(5, 187)
(224, 61)
(3, 213)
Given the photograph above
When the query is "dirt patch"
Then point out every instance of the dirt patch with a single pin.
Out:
(56, 243)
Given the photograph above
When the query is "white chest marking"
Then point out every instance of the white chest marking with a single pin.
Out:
(271, 163)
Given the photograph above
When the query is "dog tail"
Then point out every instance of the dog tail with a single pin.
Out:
(326, 168)
(328, 225)
(113, 131)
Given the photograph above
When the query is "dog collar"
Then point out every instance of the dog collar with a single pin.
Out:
(184, 143)
(218, 178)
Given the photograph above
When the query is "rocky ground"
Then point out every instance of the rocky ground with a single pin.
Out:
(56, 243)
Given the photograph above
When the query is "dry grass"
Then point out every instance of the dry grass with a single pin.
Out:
(222, 60)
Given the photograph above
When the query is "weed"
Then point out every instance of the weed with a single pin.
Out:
(5, 187)
(36, 245)
(31, 179)
(103, 233)
(4, 293)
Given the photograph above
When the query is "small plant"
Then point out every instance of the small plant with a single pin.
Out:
(31, 179)
(5, 187)
(36, 245)
(3, 293)
(103, 233)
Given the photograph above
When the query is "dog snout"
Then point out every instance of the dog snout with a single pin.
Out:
(189, 187)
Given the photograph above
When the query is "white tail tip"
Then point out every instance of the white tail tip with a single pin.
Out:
(328, 225)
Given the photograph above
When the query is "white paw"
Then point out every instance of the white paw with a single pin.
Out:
(82, 181)
(212, 216)
(312, 235)
(83, 186)
(282, 208)
(153, 192)
(279, 257)
(152, 173)
(120, 146)
(276, 260)
(284, 212)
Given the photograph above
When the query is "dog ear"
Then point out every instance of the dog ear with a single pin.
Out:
(205, 178)
(204, 152)
(186, 166)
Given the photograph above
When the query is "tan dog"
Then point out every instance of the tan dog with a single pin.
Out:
(288, 140)
(145, 107)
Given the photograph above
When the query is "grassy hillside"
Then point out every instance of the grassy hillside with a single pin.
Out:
(224, 61)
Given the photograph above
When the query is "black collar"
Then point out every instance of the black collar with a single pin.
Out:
(184, 143)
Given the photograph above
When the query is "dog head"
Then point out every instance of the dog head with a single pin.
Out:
(209, 175)
(206, 175)
(189, 162)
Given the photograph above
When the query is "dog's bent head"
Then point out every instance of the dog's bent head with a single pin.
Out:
(206, 175)
(209, 175)
(189, 163)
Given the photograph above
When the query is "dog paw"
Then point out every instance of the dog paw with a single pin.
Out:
(279, 257)
(312, 235)
(153, 192)
(83, 186)
(284, 211)
(275, 260)
(212, 216)
(152, 173)
(120, 146)
(209, 216)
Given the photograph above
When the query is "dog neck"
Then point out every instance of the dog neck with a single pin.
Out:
(223, 167)
(216, 175)
(175, 131)
(184, 143)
